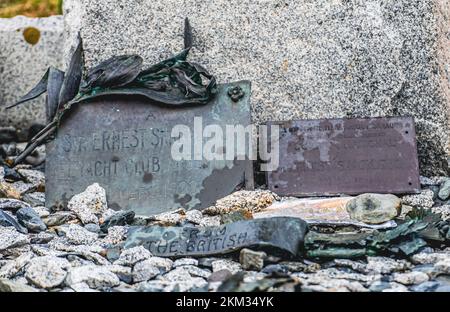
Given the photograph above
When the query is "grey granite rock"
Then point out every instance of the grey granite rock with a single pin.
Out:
(144, 271)
(177, 275)
(163, 264)
(229, 265)
(444, 210)
(10, 238)
(305, 59)
(96, 277)
(422, 200)
(7, 285)
(192, 284)
(116, 234)
(196, 271)
(384, 265)
(47, 272)
(15, 266)
(185, 261)
(78, 235)
(410, 278)
(41, 238)
(123, 273)
(430, 258)
(130, 257)
(90, 204)
(22, 64)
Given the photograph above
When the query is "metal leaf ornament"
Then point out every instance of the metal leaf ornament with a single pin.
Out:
(172, 82)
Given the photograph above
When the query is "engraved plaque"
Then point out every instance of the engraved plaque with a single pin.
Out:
(124, 144)
(279, 234)
(346, 156)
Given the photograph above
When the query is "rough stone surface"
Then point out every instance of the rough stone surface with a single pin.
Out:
(78, 235)
(229, 265)
(384, 265)
(34, 177)
(144, 271)
(116, 234)
(185, 261)
(13, 286)
(250, 259)
(163, 264)
(411, 278)
(305, 59)
(96, 277)
(30, 219)
(10, 238)
(90, 204)
(35, 198)
(429, 258)
(12, 204)
(47, 272)
(444, 210)
(249, 201)
(23, 64)
(374, 208)
(443, 266)
(422, 200)
(130, 257)
(59, 218)
(191, 284)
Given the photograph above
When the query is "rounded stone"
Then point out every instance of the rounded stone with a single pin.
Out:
(92, 275)
(47, 272)
(444, 190)
(374, 208)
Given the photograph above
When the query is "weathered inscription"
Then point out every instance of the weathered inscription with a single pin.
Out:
(279, 234)
(351, 156)
(125, 144)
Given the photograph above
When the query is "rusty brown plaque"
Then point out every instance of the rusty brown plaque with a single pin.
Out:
(124, 144)
(346, 156)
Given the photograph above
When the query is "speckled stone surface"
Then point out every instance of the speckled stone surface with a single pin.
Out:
(306, 59)
(22, 64)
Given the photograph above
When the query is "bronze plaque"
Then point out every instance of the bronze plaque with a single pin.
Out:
(125, 143)
(346, 156)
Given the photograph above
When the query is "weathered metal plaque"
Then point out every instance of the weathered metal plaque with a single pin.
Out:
(346, 156)
(125, 143)
(279, 234)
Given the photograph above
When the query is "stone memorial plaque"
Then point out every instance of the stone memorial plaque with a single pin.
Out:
(346, 156)
(124, 143)
(279, 234)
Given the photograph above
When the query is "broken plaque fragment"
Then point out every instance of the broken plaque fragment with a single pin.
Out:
(124, 144)
(276, 235)
(346, 156)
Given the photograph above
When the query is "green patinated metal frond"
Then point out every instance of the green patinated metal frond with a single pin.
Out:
(172, 82)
